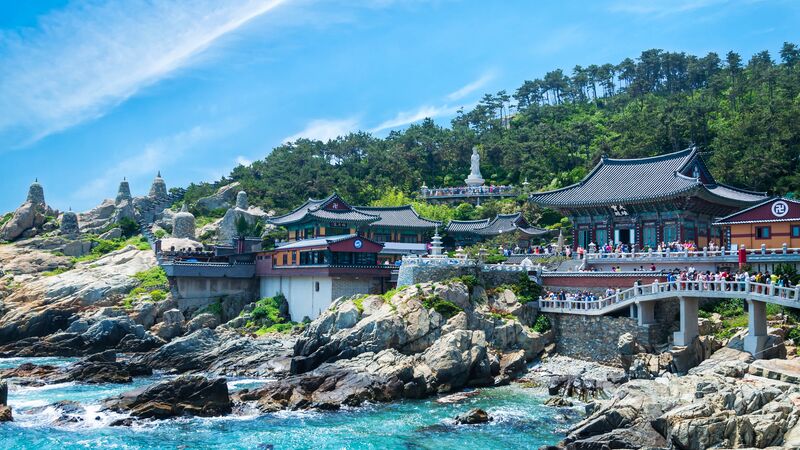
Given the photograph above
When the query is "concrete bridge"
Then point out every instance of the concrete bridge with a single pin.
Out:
(642, 298)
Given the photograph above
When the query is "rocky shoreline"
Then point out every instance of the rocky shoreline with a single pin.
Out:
(427, 340)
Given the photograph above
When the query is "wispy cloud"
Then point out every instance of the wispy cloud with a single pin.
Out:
(472, 87)
(243, 161)
(408, 117)
(662, 7)
(81, 61)
(325, 129)
(142, 166)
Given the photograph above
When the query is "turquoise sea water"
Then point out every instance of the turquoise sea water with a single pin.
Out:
(520, 421)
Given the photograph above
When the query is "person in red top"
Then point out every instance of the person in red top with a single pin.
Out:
(742, 257)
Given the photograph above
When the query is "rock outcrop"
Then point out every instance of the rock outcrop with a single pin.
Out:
(384, 349)
(5, 410)
(183, 396)
(28, 219)
(45, 305)
(472, 417)
(220, 352)
(717, 405)
(224, 198)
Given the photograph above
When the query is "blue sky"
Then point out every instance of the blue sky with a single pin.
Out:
(94, 91)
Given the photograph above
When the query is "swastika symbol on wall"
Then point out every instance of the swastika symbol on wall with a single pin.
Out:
(780, 208)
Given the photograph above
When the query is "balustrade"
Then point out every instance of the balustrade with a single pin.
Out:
(660, 290)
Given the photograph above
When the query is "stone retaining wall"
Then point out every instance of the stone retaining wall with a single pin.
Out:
(594, 338)
(411, 274)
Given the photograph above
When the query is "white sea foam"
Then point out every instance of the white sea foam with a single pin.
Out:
(233, 384)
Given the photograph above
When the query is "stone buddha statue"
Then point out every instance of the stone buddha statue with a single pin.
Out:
(475, 178)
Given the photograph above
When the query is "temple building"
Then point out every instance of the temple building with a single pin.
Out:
(469, 232)
(399, 228)
(311, 273)
(643, 202)
(772, 224)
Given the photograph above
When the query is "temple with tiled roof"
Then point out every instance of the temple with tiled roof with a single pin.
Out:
(400, 227)
(645, 201)
(468, 232)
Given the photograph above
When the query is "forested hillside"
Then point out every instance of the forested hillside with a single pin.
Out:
(744, 115)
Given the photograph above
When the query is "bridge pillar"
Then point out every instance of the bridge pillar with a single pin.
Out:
(647, 312)
(689, 328)
(756, 338)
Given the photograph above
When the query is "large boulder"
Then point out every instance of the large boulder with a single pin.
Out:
(183, 396)
(204, 320)
(220, 352)
(472, 417)
(5, 410)
(25, 218)
(98, 217)
(108, 332)
(222, 199)
(171, 325)
(227, 226)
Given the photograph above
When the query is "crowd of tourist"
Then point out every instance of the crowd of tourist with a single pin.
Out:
(672, 247)
(467, 191)
(544, 250)
(734, 281)
(692, 279)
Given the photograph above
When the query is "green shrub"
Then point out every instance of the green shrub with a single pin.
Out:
(152, 278)
(56, 271)
(794, 334)
(703, 314)
(494, 259)
(128, 226)
(390, 293)
(444, 307)
(160, 233)
(359, 302)
(105, 246)
(268, 310)
(278, 328)
(157, 295)
(215, 308)
(542, 324)
(469, 280)
(726, 308)
(5, 218)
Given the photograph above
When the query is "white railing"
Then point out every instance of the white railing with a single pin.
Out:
(666, 289)
(704, 253)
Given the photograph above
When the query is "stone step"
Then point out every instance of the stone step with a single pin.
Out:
(786, 370)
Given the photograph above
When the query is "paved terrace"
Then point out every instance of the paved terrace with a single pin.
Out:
(642, 300)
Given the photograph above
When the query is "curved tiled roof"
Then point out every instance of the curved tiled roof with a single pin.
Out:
(617, 181)
(465, 226)
(397, 216)
(313, 208)
(504, 223)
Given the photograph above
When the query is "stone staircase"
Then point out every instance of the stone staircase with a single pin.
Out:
(146, 215)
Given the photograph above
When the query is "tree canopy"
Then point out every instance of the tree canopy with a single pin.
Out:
(551, 131)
